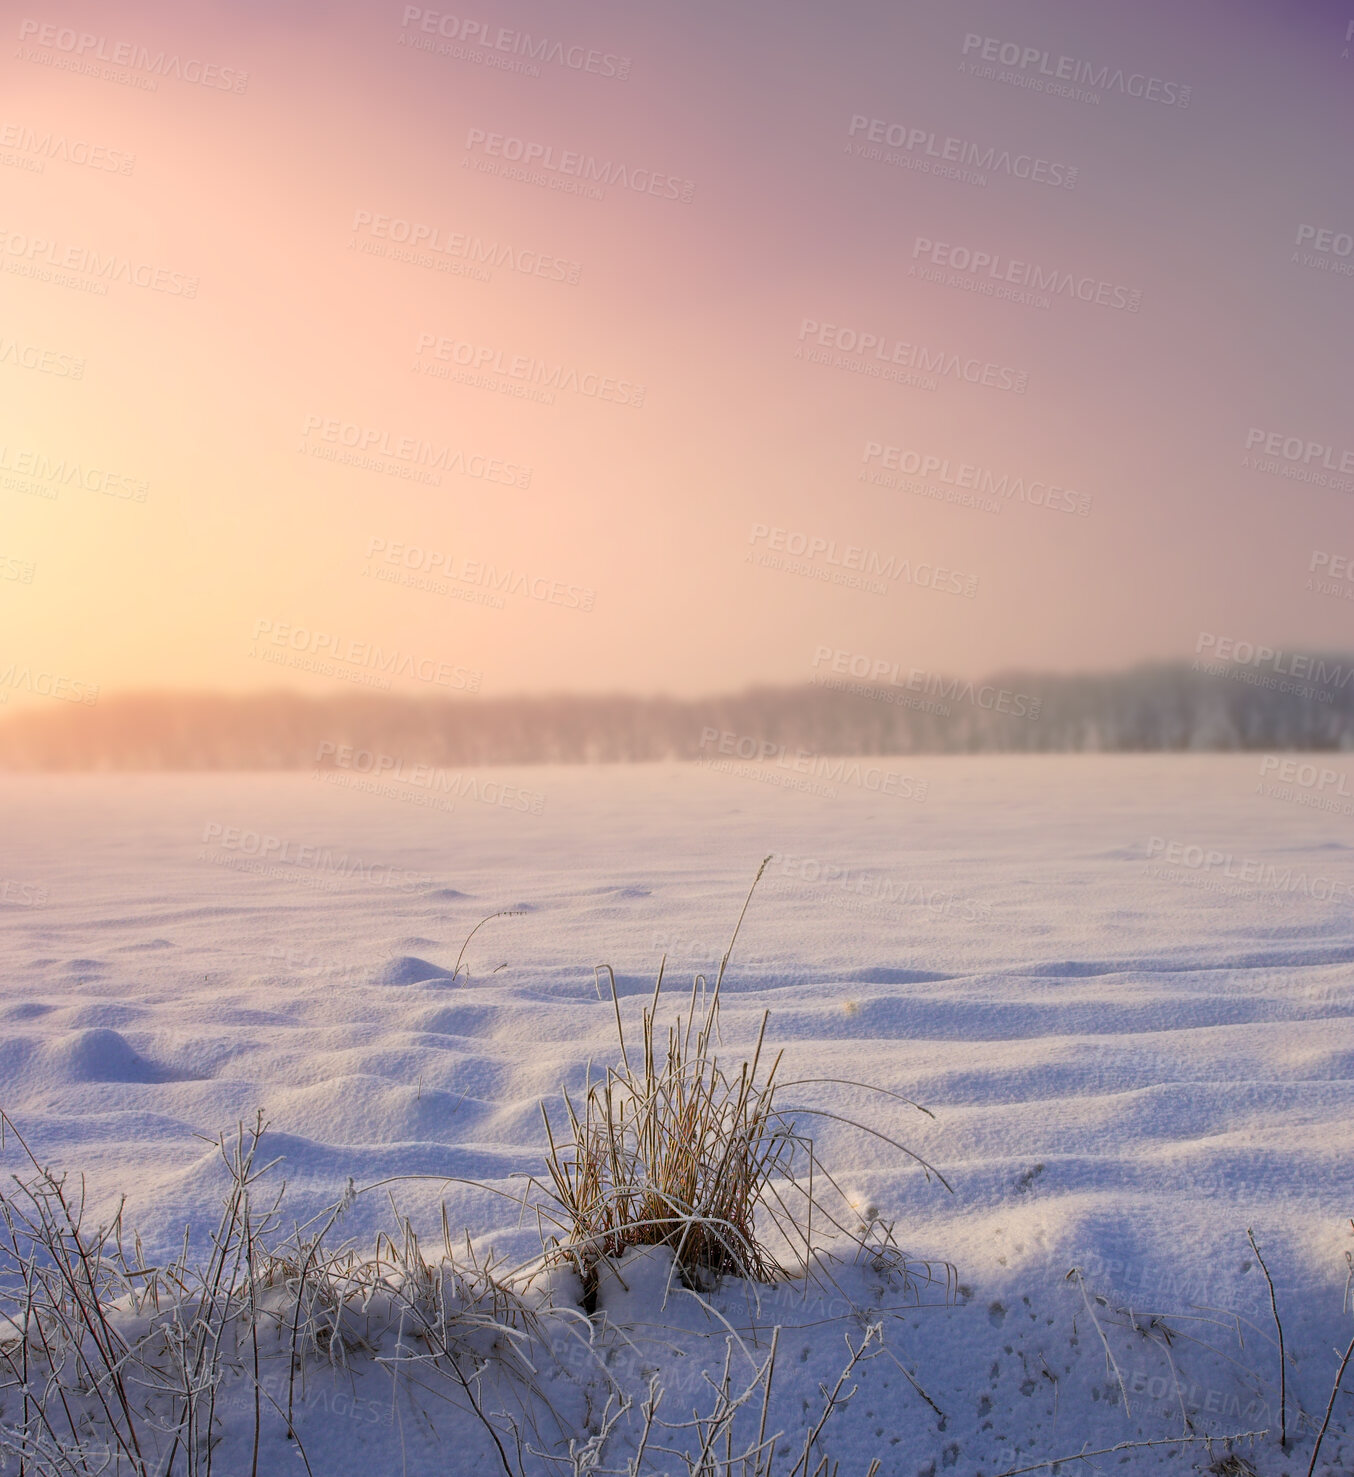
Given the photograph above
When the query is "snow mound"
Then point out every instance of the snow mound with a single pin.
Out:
(98, 1055)
(408, 969)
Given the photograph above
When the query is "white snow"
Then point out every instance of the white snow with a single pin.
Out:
(1123, 985)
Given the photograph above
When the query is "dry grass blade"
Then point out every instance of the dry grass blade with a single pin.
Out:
(502, 913)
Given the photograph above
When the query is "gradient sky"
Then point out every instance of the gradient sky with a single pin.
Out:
(215, 402)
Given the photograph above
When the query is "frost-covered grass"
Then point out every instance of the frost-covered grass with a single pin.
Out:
(679, 1177)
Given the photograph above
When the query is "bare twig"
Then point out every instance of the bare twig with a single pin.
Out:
(1283, 1373)
(1330, 1406)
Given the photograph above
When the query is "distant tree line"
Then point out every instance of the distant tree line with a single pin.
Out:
(1163, 706)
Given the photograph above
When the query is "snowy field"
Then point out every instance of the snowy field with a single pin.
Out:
(1123, 985)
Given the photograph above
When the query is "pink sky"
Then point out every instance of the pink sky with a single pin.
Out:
(834, 248)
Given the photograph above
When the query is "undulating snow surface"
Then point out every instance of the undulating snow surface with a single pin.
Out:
(1123, 985)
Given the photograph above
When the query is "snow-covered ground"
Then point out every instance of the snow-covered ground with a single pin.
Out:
(1123, 985)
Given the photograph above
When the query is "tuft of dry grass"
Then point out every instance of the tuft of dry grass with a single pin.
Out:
(676, 1149)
